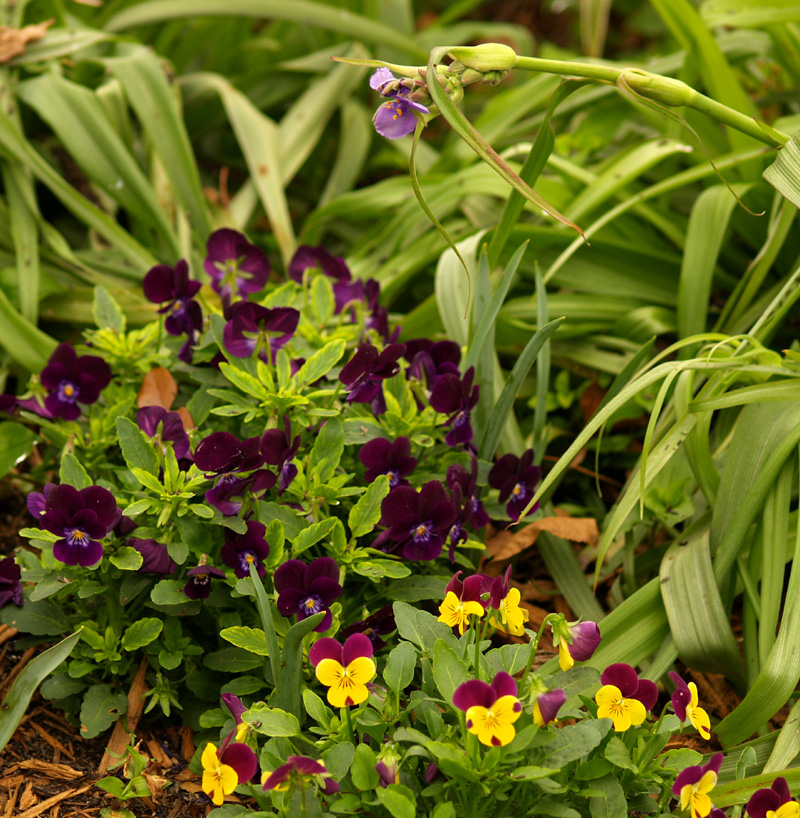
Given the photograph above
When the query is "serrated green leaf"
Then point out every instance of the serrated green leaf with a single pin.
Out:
(100, 709)
(249, 639)
(271, 721)
(136, 447)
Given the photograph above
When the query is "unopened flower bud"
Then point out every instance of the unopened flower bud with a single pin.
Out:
(665, 90)
(485, 57)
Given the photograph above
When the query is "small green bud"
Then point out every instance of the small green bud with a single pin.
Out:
(485, 57)
(665, 90)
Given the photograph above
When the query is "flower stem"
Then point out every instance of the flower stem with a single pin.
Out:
(349, 720)
(534, 644)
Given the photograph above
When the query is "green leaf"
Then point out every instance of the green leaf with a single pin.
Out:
(106, 311)
(168, 592)
(291, 673)
(316, 708)
(338, 759)
(127, 559)
(327, 451)
(574, 741)
(617, 753)
(399, 800)
(320, 363)
(16, 443)
(271, 721)
(72, 472)
(39, 618)
(416, 588)
(445, 809)
(400, 666)
(312, 535)
(611, 803)
(141, 633)
(100, 709)
(377, 569)
(16, 701)
(449, 671)
(136, 447)
(362, 770)
(232, 660)
(250, 639)
(366, 513)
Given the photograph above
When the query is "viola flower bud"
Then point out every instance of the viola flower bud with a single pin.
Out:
(70, 380)
(775, 802)
(243, 550)
(485, 57)
(236, 267)
(10, 584)
(150, 418)
(222, 772)
(234, 704)
(491, 709)
(576, 641)
(295, 770)
(685, 705)
(155, 557)
(344, 669)
(308, 589)
(392, 458)
(693, 785)
(624, 697)
(278, 448)
(546, 703)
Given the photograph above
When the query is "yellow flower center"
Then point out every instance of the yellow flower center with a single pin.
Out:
(625, 713)
(346, 685)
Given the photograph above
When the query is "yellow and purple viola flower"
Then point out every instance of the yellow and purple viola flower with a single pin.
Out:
(546, 703)
(775, 802)
(364, 373)
(374, 627)
(418, 522)
(516, 479)
(175, 291)
(457, 397)
(10, 584)
(508, 616)
(198, 584)
(237, 708)
(225, 769)
(253, 328)
(71, 379)
(685, 704)
(576, 641)
(295, 770)
(168, 427)
(279, 448)
(462, 600)
(624, 697)
(236, 267)
(306, 590)
(392, 458)
(396, 117)
(80, 519)
(693, 785)
(344, 669)
(243, 550)
(491, 710)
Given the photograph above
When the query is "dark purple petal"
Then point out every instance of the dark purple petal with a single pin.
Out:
(646, 693)
(10, 585)
(781, 786)
(102, 503)
(86, 553)
(691, 775)
(328, 590)
(215, 452)
(159, 284)
(503, 684)
(234, 704)
(356, 646)
(622, 676)
(473, 693)
(322, 567)
(155, 557)
(326, 648)
(242, 759)
(550, 703)
(446, 394)
(763, 802)
(290, 575)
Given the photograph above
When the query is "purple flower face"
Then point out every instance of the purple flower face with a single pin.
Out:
(155, 557)
(457, 475)
(692, 775)
(244, 550)
(278, 448)
(374, 627)
(365, 371)
(10, 585)
(235, 267)
(174, 290)
(308, 589)
(393, 459)
(516, 478)
(395, 117)
(766, 803)
(299, 767)
(431, 359)
(252, 327)
(306, 258)
(70, 380)
(156, 420)
(630, 685)
(198, 586)
(476, 693)
(456, 397)
(80, 518)
(418, 523)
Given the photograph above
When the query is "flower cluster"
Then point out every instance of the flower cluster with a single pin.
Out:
(397, 116)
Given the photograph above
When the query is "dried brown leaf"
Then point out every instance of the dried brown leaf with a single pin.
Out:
(506, 544)
(158, 389)
(14, 40)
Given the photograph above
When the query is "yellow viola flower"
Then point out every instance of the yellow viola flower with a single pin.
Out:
(693, 785)
(455, 612)
(685, 704)
(491, 709)
(625, 713)
(219, 779)
(344, 669)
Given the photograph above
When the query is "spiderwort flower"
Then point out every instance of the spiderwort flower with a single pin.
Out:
(775, 802)
(198, 586)
(694, 784)
(516, 478)
(243, 550)
(70, 379)
(235, 267)
(278, 448)
(576, 641)
(509, 617)
(344, 669)
(296, 769)
(456, 397)
(223, 771)
(308, 589)
(175, 291)
(624, 697)
(382, 456)
(395, 118)
(156, 420)
(491, 709)
(685, 705)
(80, 518)
(252, 327)
(10, 585)
(462, 600)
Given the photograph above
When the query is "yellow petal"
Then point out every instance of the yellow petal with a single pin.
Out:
(537, 715)
(693, 694)
(565, 660)
(329, 672)
(701, 804)
(791, 809)
(346, 693)
(637, 711)
(608, 694)
(211, 787)
(707, 782)
(503, 709)
(470, 608)
(361, 670)
(209, 759)
(450, 611)
(228, 779)
(701, 721)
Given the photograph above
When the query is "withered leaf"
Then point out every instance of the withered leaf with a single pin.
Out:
(14, 40)
(158, 389)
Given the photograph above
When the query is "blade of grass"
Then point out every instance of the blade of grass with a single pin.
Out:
(542, 373)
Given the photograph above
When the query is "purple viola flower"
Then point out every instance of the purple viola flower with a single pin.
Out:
(80, 518)
(374, 627)
(767, 803)
(693, 785)
(168, 426)
(279, 448)
(175, 291)
(252, 327)
(198, 586)
(418, 522)
(306, 258)
(243, 550)
(395, 118)
(625, 678)
(8, 403)
(382, 456)
(472, 589)
(430, 359)
(155, 557)
(364, 373)
(10, 584)
(456, 397)
(70, 380)
(308, 589)
(547, 705)
(457, 475)
(491, 710)
(516, 478)
(224, 454)
(300, 767)
(235, 267)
